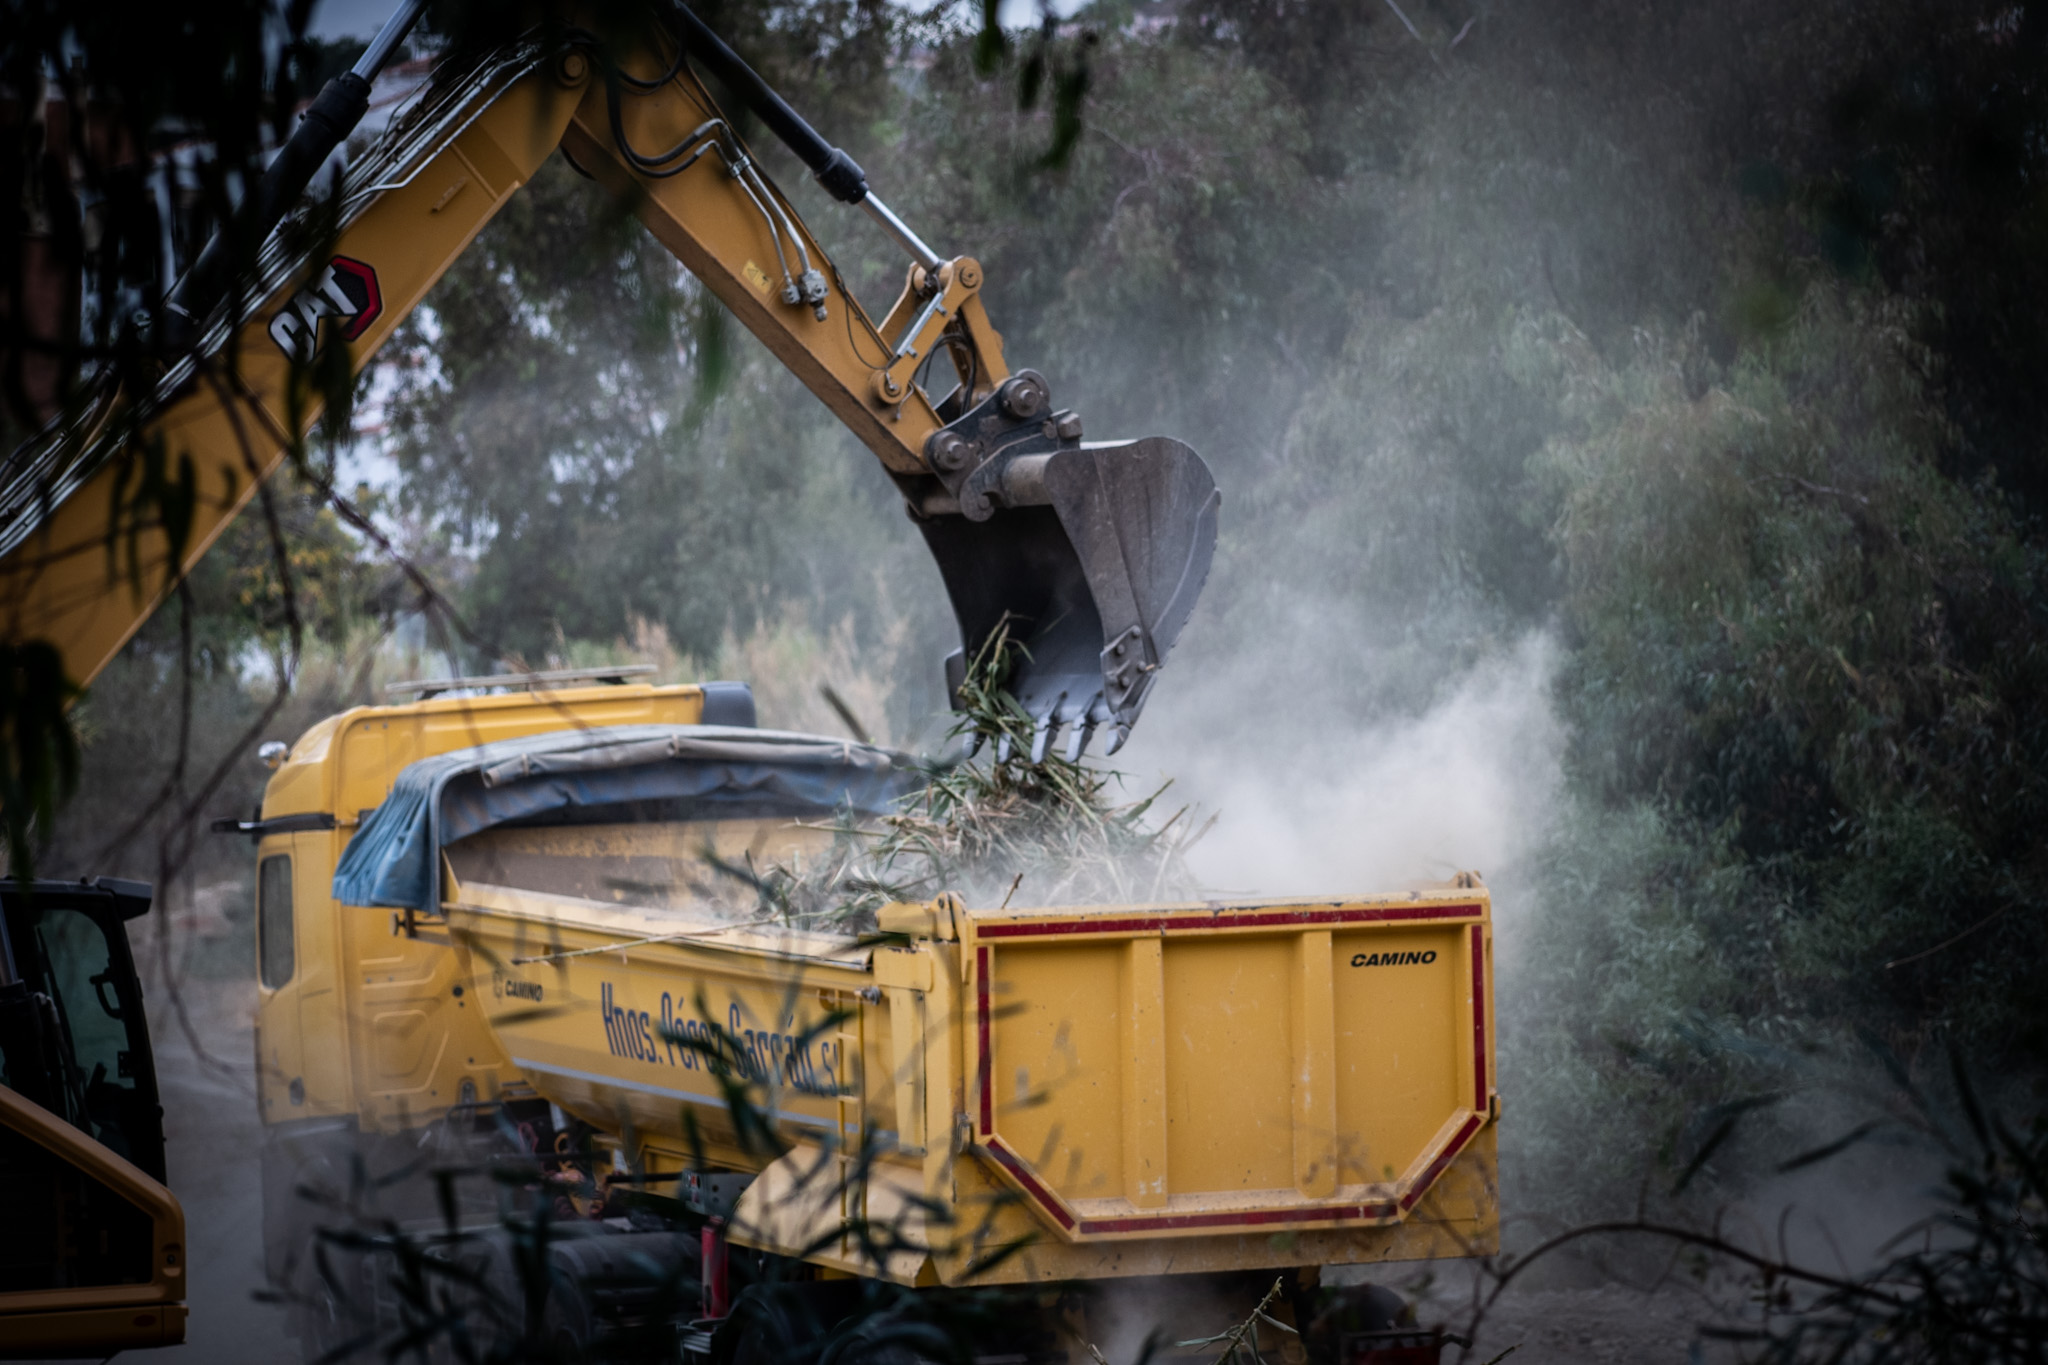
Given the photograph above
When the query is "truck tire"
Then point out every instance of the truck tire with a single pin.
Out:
(1350, 1311)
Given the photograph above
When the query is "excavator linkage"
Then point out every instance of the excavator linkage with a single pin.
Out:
(1089, 556)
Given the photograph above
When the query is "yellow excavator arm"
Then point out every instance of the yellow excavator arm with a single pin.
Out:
(1089, 554)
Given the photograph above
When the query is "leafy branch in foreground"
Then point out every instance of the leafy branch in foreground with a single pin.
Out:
(38, 749)
(1240, 1345)
(1966, 1283)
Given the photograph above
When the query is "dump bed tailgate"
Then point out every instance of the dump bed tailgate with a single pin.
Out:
(1194, 1071)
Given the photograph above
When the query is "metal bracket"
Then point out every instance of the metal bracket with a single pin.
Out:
(958, 280)
(976, 455)
(1128, 664)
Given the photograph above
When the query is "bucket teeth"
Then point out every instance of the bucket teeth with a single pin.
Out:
(1077, 740)
(1042, 733)
(1081, 723)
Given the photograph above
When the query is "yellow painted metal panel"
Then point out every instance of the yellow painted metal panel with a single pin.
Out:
(1401, 1069)
(1254, 986)
(1230, 1124)
(1058, 1091)
(364, 775)
(1314, 1051)
(1143, 1115)
(87, 1332)
(1458, 1216)
(906, 1065)
(317, 987)
(106, 1317)
(592, 1030)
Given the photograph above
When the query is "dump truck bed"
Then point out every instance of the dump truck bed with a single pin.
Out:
(990, 1095)
(975, 1094)
(1244, 1066)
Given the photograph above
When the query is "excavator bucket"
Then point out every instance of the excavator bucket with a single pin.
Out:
(1093, 559)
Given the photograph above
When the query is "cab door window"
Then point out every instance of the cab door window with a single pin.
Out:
(274, 946)
(104, 1081)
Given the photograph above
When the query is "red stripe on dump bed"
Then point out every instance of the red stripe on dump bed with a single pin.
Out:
(1024, 1176)
(1225, 919)
(1443, 1159)
(988, 1113)
(1020, 1171)
(1252, 1219)
(1478, 1020)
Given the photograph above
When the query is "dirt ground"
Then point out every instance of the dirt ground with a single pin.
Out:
(1579, 1326)
(1551, 1325)
(213, 1138)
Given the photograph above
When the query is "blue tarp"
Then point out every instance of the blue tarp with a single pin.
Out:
(394, 858)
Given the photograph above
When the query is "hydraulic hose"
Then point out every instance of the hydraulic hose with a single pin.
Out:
(839, 173)
(334, 114)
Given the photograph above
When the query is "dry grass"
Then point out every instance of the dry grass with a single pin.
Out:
(995, 827)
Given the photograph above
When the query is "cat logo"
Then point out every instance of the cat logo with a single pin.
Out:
(345, 290)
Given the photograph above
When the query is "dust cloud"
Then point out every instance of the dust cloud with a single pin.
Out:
(1466, 785)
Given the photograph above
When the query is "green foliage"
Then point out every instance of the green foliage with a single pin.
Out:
(988, 826)
(1808, 645)
(1973, 1289)
(586, 419)
(1134, 277)
(1963, 1282)
(38, 751)
(1803, 691)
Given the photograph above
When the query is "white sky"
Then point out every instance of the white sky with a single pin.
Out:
(350, 18)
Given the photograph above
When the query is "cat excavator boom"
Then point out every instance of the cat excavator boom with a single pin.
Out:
(1089, 555)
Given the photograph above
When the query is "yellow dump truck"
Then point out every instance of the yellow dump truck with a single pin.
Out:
(511, 913)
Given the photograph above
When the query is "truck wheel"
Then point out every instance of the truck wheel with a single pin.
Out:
(1349, 1312)
(792, 1324)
